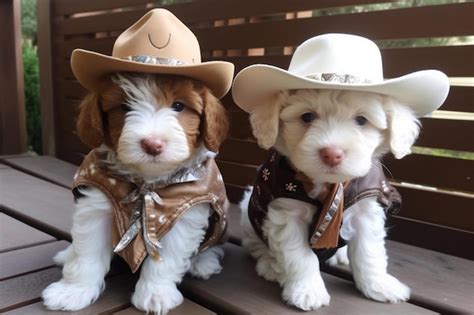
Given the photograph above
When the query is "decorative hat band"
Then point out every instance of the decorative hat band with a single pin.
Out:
(155, 60)
(339, 78)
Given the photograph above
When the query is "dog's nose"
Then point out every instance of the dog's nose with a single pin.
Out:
(152, 146)
(332, 156)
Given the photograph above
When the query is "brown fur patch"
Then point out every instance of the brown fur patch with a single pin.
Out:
(102, 117)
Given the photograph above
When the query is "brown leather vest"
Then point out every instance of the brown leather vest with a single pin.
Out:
(174, 200)
(277, 179)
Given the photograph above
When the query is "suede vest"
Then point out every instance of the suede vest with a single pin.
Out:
(276, 178)
(174, 199)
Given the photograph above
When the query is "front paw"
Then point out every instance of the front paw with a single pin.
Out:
(385, 289)
(70, 296)
(306, 294)
(156, 298)
(207, 263)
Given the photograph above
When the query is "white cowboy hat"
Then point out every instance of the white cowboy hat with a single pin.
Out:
(157, 43)
(343, 62)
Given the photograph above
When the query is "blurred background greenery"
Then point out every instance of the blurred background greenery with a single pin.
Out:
(31, 74)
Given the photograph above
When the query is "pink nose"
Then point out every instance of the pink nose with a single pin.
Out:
(153, 146)
(332, 156)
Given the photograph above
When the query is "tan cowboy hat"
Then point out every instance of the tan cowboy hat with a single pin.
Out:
(157, 43)
(343, 62)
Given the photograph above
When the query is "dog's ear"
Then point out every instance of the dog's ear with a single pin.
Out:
(89, 123)
(403, 127)
(215, 123)
(265, 119)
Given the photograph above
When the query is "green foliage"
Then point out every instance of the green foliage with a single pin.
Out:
(28, 19)
(32, 99)
(31, 75)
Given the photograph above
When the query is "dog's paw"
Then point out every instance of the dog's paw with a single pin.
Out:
(61, 257)
(305, 294)
(206, 263)
(339, 258)
(70, 296)
(385, 289)
(265, 269)
(156, 298)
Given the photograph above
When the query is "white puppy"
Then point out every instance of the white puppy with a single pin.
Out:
(154, 130)
(330, 136)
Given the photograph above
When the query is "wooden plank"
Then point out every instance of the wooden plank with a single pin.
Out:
(439, 238)
(45, 167)
(45, 57)
(188, 307)
(209, 10)
(441, 281)
(43, 205)
(23, 290)
(238, 289)
(460, 98)
(27, 289)
(241, 151)
(12, 97)
(235, 192)
(26, 260)
(433, 134)
(449, 59)
(448, 173)
(215, 9)
(437, 208)
(390, 24)
(15, 234)
(237, 174)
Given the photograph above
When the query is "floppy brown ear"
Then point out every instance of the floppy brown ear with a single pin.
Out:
(89, 123)
(215, 123)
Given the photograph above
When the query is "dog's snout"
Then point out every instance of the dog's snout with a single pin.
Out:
(153, 146)
(332, 156)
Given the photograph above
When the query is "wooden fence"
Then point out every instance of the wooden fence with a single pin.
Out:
(438, 210)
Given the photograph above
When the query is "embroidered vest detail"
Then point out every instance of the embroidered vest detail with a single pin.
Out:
(143, 215)
(277, 179)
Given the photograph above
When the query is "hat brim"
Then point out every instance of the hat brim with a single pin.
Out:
(422, 91)
(90, 68)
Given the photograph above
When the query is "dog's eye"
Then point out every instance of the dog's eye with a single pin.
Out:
(177, 106)
(126, 108)
(308, 117)
(360, 120)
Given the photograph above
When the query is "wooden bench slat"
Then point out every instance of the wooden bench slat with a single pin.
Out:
(45, 167)
(43, 205)
(23, 290)
(116, 295)
(26, 260)
(187, 308)
(16, 234)
(239, 286)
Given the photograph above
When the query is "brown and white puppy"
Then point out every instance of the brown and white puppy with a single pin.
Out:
(149, 127)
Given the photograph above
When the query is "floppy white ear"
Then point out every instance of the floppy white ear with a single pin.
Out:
(265, 119)
(403, 127)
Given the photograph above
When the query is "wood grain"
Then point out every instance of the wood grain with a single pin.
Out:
(15, 234)
(26, 260)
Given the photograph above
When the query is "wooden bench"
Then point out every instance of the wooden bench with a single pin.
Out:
(36, 202)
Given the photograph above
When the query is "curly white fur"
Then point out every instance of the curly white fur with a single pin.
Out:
(288, 258)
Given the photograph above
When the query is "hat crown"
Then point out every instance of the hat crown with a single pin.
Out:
(338, 53)
(161, 34)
